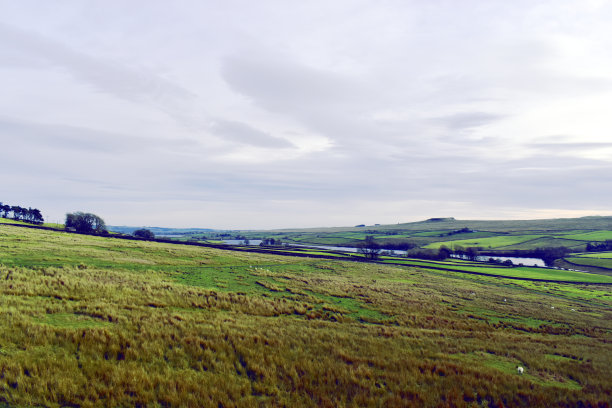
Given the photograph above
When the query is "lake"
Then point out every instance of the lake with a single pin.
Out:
(481, 258)
(515, 260)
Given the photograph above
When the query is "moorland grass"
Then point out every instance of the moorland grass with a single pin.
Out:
(89, 321)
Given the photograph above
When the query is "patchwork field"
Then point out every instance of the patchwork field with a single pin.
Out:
(90, 321)
(491, 242)
(573, 233)
(590, 236)
(597, 259)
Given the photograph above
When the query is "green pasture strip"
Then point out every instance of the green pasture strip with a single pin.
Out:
(429, 233)
(550, 274)
(590, 236)
(490, 242)
(598, 255)
(543, 242)
(463, 235)
(517, 272)
(426, 262)
(600, 263)
(397, 237)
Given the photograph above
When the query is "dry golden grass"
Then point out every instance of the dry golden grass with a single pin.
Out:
(88, 321)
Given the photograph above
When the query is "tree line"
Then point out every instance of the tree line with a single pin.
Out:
(599, 246)
(546, 254)
(30, 215)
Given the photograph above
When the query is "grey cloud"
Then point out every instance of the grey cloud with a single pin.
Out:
(400, 89)
(569, 147)
(285, 86)
(104, 75)
(64, 137)
(468, 120)
(246, 134)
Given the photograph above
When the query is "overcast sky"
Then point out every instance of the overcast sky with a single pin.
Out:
(266, 114)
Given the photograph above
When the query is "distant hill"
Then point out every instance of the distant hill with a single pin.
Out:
(159, 230)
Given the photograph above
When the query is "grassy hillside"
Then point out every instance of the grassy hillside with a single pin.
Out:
(90, 321)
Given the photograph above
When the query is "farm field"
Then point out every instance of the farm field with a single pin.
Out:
(602, 255)
(573, 233)
(513, 272)
(587, 261)
(590, 236)
(492, 242)
(92, 321)
(601, 260)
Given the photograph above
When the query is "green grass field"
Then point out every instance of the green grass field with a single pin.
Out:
(490, 242)
(590, 236)
(600, 255)
(91, 321)
(600, 263)
(510, 272)
(593, 259)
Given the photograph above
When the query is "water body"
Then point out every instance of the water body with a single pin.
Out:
(515, 260)
(253, 242)
(481, 258)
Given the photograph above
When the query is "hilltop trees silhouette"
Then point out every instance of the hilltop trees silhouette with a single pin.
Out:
(144, 233)
(30, 215)
(85, 223)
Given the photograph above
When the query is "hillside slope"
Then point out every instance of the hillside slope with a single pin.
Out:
(91, 321)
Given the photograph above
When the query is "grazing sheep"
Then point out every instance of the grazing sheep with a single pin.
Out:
(520, 369)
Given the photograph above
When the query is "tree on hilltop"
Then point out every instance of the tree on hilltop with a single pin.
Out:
(5, 209)
(85, 223)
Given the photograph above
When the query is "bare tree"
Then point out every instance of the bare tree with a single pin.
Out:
(369, 248)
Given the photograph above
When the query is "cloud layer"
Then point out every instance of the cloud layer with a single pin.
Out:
(263, 115)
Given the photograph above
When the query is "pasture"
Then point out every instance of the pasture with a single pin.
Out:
(91, 321)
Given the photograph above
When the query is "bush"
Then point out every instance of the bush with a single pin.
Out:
(144, 233)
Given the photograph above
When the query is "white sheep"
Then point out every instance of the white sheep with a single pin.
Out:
(520, 369)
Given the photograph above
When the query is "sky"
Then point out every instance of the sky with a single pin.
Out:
(242, 114)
